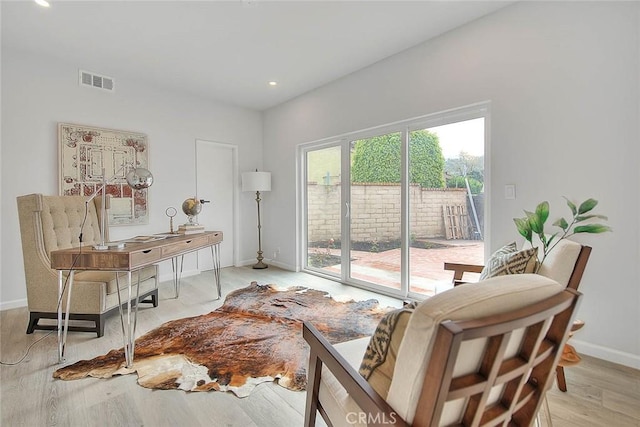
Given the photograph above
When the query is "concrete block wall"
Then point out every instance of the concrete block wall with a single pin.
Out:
(376, 211)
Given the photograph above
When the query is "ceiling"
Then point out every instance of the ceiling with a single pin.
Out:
(228, 51)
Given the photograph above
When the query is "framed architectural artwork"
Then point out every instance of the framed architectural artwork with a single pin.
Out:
(88, 153)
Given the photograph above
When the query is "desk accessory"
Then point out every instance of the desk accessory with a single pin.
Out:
(137, 178)
(171, 212)
(191, 208)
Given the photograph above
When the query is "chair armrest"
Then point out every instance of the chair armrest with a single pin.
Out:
(577, 325)
(370, 402)
(460, 269)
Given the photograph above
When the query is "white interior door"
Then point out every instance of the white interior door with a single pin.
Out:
(216, 172)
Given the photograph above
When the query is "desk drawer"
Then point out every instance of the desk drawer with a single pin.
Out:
(196, 242)
(147, 256)
(215, 237)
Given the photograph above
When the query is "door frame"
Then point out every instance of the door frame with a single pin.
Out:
(234, 192)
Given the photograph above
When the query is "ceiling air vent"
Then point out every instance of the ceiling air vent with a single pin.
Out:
(97, 81)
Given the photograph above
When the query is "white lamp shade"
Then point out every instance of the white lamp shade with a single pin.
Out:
(256, 181)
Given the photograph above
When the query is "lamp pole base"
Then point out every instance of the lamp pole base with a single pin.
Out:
(260, 265)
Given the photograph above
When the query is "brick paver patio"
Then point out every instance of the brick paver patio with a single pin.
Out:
(426, 265)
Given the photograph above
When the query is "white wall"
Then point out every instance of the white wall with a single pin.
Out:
(564, 84)
(38, 92)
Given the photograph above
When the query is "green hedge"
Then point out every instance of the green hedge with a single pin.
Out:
(378, 159)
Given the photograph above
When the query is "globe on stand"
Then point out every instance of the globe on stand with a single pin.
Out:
(192, 207)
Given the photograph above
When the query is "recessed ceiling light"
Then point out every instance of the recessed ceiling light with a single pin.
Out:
(43, 3)
(272, 83)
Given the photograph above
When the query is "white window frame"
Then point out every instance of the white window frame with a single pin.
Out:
(473, 111)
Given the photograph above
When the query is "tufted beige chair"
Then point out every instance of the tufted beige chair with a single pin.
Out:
(49, 223)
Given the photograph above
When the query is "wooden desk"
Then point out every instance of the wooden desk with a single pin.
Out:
(132, 257)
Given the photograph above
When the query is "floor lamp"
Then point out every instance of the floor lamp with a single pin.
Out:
(257, 181)
(137, 178)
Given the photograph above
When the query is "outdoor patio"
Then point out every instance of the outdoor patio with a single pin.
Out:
(426, 265)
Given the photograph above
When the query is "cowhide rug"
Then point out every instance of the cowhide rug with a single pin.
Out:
(255, 337)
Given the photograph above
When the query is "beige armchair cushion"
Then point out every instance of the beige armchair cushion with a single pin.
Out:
(93, 292)
(335, 399)
(110, 278)
(560, 262)
(492, 296)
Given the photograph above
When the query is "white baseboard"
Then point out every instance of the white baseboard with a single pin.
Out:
(611, 355)
(8, 305)
(282, 265)
(275, 263)
(245, 263)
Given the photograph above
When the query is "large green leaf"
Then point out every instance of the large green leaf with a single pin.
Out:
(592, 228)
(542, 212)
(580, 218)
(534, 221)
(524, 228)
(572, 206)
(587, 205)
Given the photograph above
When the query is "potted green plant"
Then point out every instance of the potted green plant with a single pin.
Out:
(533, 224)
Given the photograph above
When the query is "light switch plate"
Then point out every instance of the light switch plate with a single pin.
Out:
(510, 191)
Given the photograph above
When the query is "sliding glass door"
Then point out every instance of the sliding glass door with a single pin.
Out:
(323, 195)
(384, 210)
(446, 201)
(375, 210)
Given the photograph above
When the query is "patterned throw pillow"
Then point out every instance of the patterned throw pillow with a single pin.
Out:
(379, 360)
(508, 260)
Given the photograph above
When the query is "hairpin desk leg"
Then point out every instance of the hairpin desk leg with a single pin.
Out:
(176, 267)
(63, 327)
(126, 321)
(215, 255)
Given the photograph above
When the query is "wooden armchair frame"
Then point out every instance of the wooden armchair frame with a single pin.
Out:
(323, 353)
(574, 280)
(573, 283)
(522, 395)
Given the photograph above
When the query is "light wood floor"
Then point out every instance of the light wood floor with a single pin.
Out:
(600, 393)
